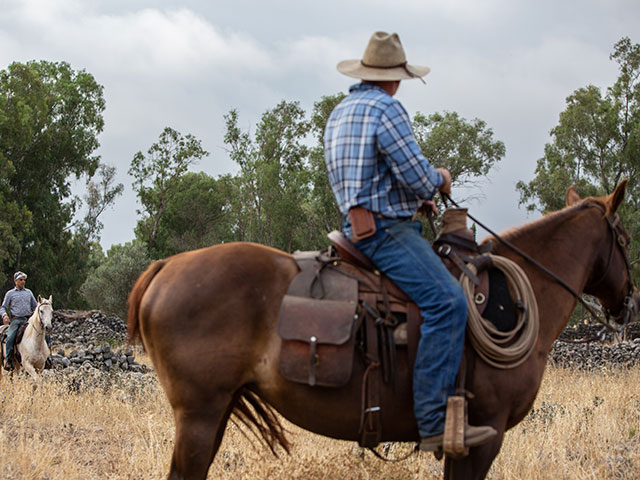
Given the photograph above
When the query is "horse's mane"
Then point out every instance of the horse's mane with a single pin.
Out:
(513, 233)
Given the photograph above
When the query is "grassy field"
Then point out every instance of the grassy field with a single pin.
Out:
(583, 426)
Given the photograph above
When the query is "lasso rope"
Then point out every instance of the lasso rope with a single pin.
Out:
(504, 350)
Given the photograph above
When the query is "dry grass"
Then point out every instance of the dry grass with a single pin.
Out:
(583, 426)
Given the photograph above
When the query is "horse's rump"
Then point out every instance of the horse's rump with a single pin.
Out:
(135, 297)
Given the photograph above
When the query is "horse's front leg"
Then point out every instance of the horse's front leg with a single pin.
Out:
(476, 465)
(31, 370)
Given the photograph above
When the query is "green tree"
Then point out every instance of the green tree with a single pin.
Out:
(50, 117)
(197, 215)
(156, 176)
(595, 145)
(467, 149)
(107, 287)
(274, 178)
(100, 195)
(323, 214)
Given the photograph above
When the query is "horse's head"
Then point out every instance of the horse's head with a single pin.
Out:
(610, 279)
(45, 312)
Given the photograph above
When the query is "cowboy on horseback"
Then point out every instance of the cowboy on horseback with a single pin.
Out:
(380, 179)
(18, 305)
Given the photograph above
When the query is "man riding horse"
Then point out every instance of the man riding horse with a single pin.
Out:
(20, 303)
(380, 179)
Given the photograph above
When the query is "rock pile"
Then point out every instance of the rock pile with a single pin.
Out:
(100, 357)
(595, 356)
(71, 327)
(84, 338)
(583, 331)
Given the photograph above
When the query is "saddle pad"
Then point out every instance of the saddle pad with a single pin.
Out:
(318, 338)
(500, 309)
(320, 278)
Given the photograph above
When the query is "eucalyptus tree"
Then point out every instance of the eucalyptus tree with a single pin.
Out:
(156, 177)
(196, 216)
(323, 214)
(273, 181)
(595, 145)
(50, 119)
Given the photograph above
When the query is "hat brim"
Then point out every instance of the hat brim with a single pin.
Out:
(355, 69)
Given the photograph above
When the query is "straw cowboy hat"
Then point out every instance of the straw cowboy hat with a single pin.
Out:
(383, 59)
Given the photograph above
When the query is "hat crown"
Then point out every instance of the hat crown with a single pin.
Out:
(383, 60)
(384, 50)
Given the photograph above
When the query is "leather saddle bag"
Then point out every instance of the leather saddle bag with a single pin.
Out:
(318, 340)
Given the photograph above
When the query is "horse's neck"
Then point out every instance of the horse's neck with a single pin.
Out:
(556, 243)
(32, 330)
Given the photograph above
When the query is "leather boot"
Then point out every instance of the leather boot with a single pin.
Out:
(8, 363)
(473, 436)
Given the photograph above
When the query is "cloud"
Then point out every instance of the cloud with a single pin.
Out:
(185, 64)
(468, 12)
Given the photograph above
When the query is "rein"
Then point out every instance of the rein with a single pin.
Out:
(627, 309)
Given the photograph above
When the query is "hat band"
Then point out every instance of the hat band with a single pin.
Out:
(400, 65)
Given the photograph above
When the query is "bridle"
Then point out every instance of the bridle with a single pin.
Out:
(39, 332)
(619, 237)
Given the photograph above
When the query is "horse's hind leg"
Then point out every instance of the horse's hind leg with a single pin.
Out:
(199, 432)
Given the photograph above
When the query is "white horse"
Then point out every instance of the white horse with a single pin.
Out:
(33, 348)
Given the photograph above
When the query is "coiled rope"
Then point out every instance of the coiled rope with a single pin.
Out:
(504, 350)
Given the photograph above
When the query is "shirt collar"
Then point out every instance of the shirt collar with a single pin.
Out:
(363, 87)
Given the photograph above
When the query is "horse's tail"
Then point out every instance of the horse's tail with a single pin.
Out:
(261, 419)
(135, 297)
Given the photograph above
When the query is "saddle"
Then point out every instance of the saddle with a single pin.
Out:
(3, 339)
(340, 306)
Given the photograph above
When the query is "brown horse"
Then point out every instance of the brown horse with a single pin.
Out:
(208, 319)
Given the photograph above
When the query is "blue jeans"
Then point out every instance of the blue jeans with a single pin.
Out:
(398, 250)
(13, 331)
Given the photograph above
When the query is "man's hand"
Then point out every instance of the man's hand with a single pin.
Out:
(5, 319)
(446, 181)
(428, 207)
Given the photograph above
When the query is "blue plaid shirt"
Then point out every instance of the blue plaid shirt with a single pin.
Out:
(372, 156)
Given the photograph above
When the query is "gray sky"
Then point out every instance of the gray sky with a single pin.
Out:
(184, 64)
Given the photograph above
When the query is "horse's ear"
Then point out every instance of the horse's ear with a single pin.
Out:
(51, 299)
(39, 299)
(572, 196)
(615, 199)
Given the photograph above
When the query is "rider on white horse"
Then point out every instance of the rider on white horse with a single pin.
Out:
(18, 305)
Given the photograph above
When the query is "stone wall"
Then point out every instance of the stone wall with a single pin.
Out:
(85, 338)
(95, 340)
